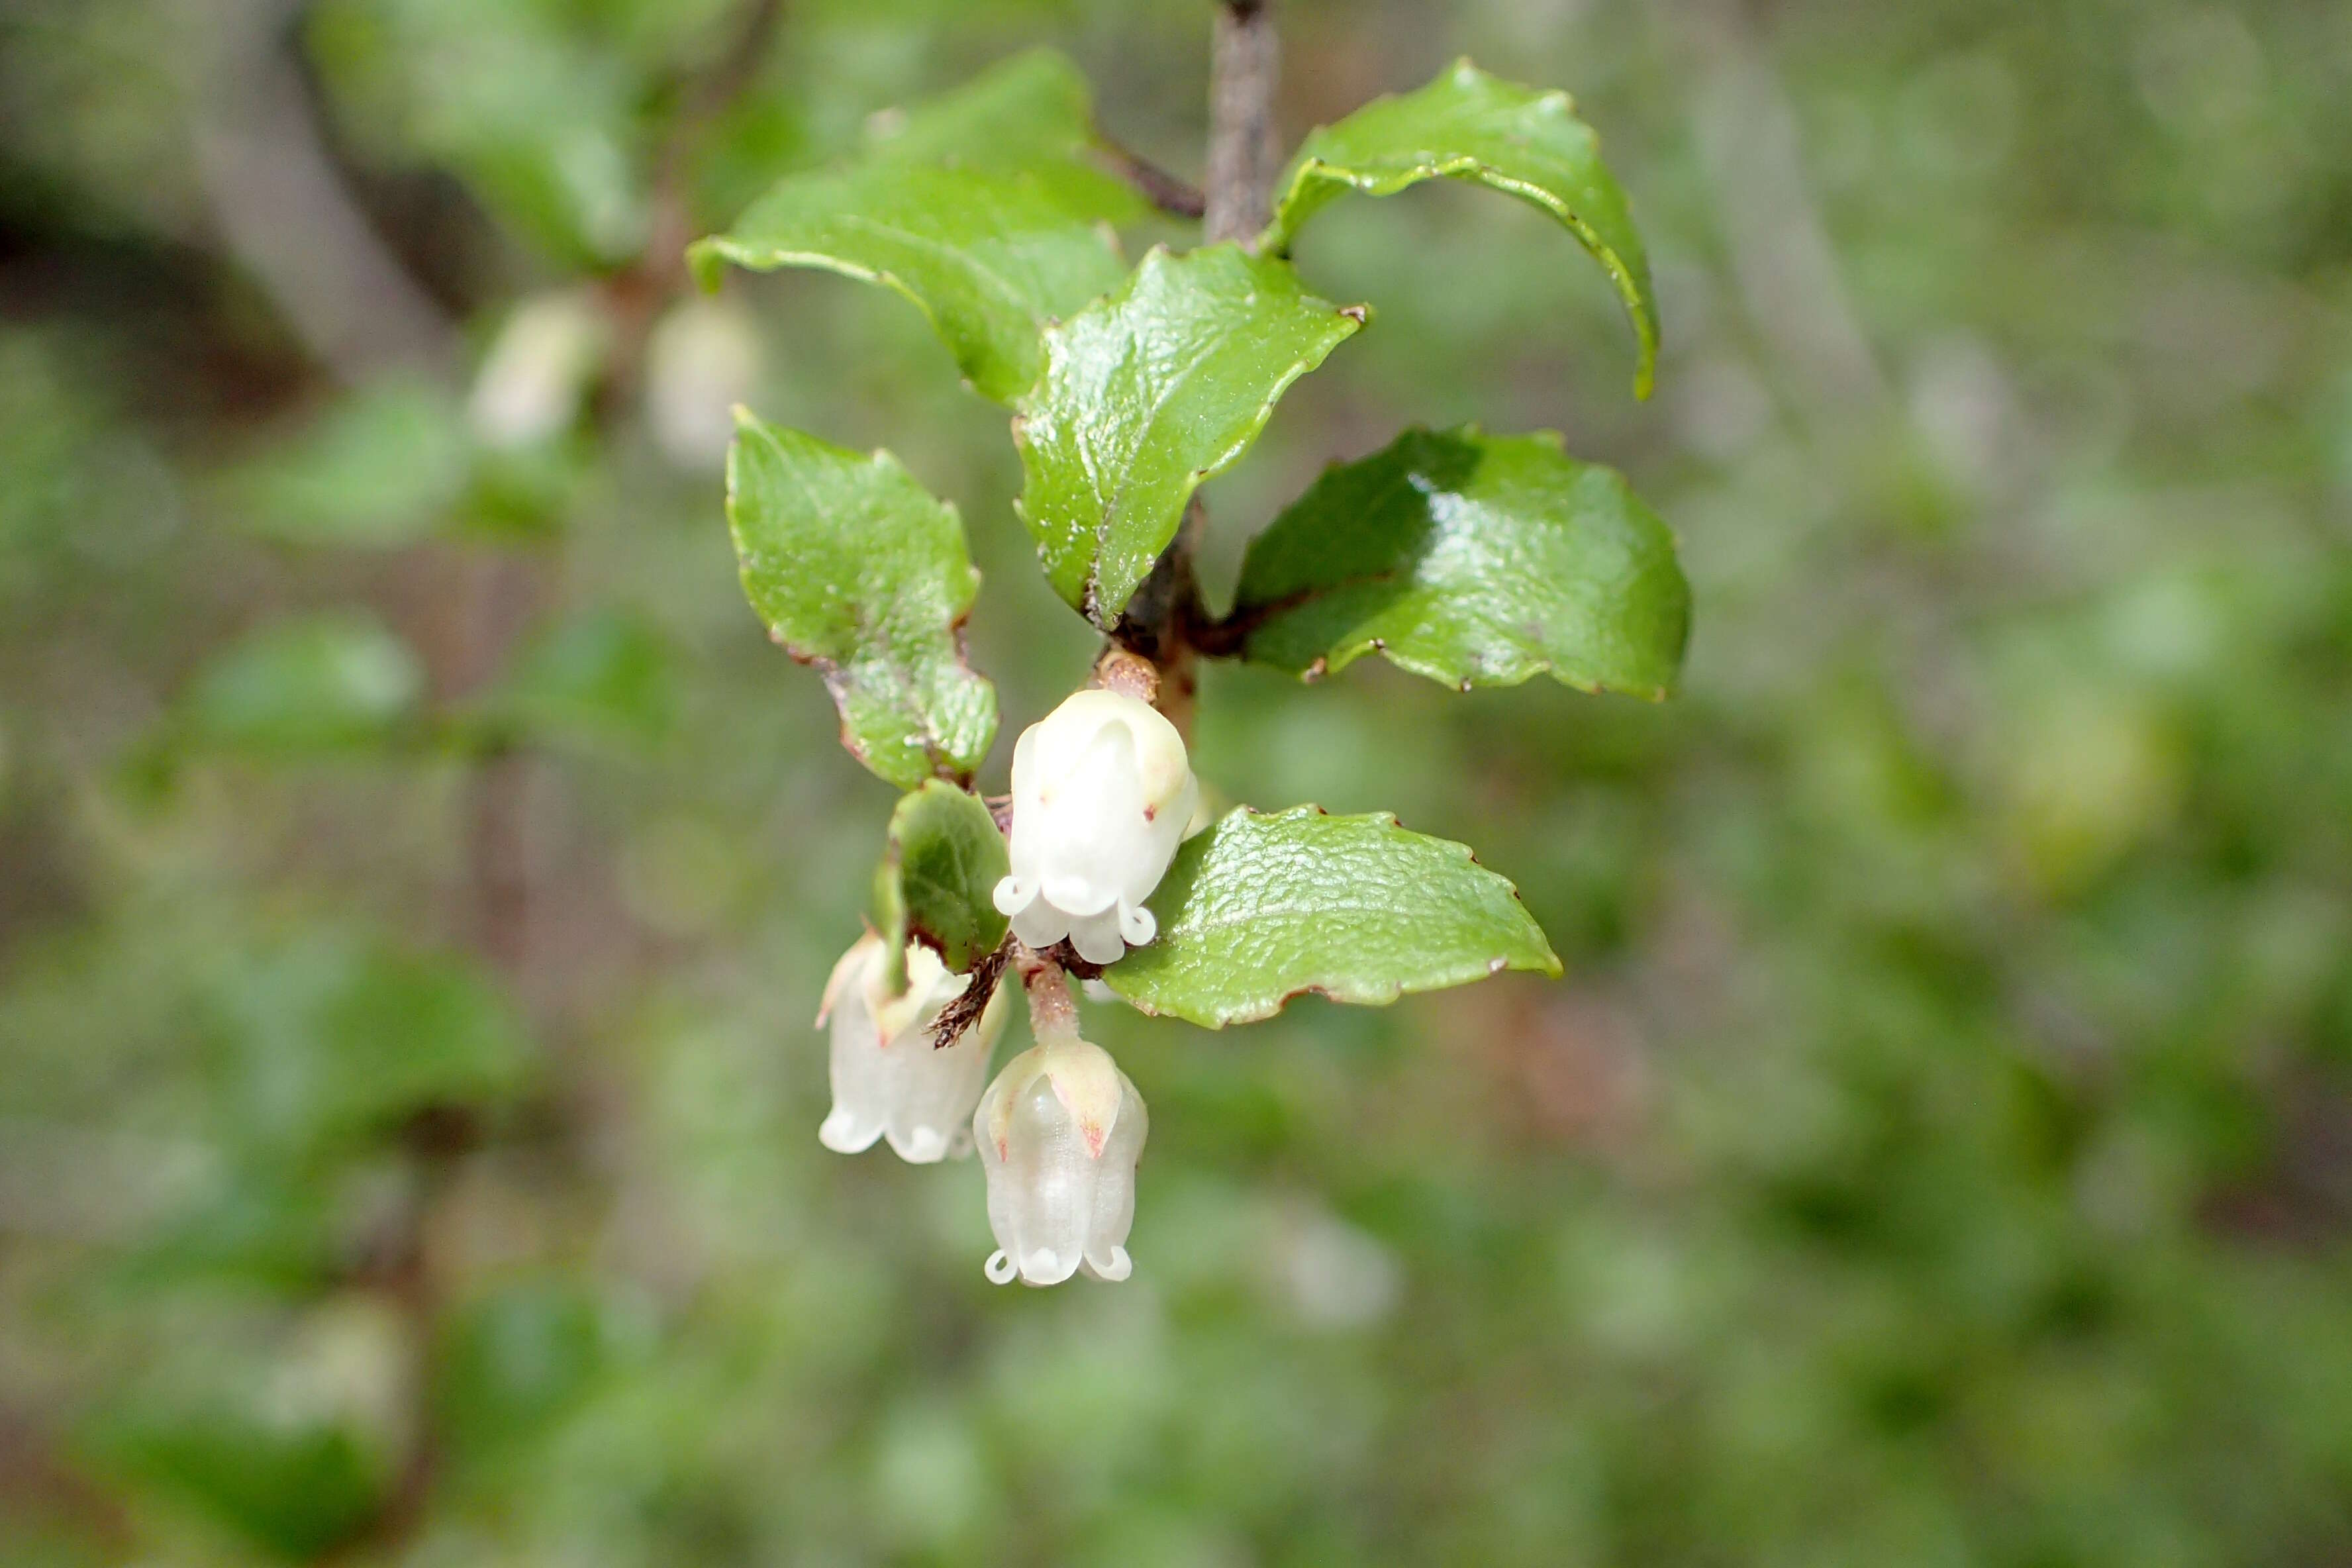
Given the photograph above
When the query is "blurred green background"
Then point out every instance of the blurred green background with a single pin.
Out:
(417, 871)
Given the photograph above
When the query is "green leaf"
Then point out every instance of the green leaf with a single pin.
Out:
(1033, 108)
(858, 570)
(602, 679)
(942, 860)
(1475, 560)
(1261, 908)
(333, 1039)
(1468, 125)
(1151, 392)
(325, 683)
(517, 1361)
(296, 1489)
(384, 467)
(980, 209)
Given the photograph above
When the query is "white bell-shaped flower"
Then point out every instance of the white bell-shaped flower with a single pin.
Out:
(1102, 794)
(1059, 1133)
(889, 1080)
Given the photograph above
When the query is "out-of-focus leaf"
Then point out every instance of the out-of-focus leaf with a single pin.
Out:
(1264, 907)
(1151, 392)
(603, 679)
(1027, 109)
(1468, 125)
(517, 1359)
(328, 682)
(291, 1443)
(1475, 560)
(941, 865)
(382, 468)
(332, 1039)
(294, 1491)
(266, 1223)
(541, 120)
(979, 207)
(859, 571)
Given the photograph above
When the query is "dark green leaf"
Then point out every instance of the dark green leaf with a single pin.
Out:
(981, 208)
(1261, 908)
(1475, 560)
(940, 869)
(331, 681)
(293, 1490)
(858, 570)
(1468, 125)
(1151, 392)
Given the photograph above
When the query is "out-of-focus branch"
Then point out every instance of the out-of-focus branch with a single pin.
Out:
(283, 211)
(1782, 260)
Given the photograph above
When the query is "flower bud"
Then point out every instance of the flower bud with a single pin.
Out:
(1102, 793)
(536, 376)
(1059, 1133)
(889, 1080)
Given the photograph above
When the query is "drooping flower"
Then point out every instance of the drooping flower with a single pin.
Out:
(1102, 794)
(888, 1081)
(1059, 1133)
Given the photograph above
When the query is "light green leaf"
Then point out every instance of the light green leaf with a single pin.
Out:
(602, 678)
(1151, 392)
(384, 467)
(1475, 560)
(989, 258)
(1034, 108)
(981, 208)
(942, 860)
(1468, 125)
(1261, 908)
(325, 683)
(336, 1039)
(858, 570)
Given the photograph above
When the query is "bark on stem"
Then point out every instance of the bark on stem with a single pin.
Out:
(1241, 120)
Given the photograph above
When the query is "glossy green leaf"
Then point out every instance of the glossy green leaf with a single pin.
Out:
(981, 208)
(858, 570)
(990, 257)
(1261, 908)
(1151, 392)
(1475, 560)
(322, 683)
(1468, 125)
(941, 865)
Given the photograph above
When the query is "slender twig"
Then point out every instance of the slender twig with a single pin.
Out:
(1175, 197)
